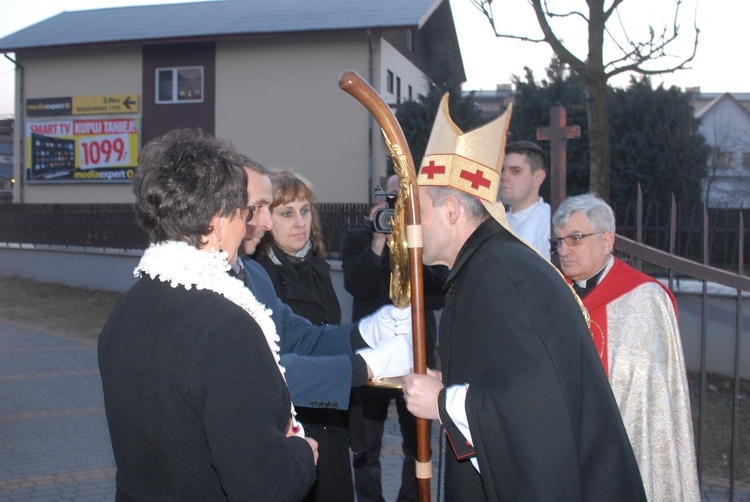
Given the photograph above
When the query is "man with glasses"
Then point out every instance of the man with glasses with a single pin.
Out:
(322, 363)
(634, 328)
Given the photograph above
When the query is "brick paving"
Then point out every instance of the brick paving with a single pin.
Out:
(54, 443)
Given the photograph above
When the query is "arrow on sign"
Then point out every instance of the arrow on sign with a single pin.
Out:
(128, 102)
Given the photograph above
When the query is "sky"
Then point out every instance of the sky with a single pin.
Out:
(489, 60)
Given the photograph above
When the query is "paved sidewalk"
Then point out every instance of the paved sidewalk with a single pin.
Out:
(54, 443)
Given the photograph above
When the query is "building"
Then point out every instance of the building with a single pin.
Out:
(92, 87)
(492, 103)
(6, 161)
(725, 122)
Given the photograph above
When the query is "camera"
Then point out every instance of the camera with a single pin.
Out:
(381, 220)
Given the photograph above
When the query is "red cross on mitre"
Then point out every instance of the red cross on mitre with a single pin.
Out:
(431, 170)
(476, 179)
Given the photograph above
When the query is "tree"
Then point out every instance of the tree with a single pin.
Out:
(531, 110)
(416, 117)
(633, 56)
(655, 139)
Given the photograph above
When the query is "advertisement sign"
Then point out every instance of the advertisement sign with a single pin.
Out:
(105, 104)
(96, 149)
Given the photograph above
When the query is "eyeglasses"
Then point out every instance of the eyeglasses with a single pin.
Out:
(571, 240)
(250, 213)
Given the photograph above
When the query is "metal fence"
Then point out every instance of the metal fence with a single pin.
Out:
(114, 225)
(704, 232)
(679, 229)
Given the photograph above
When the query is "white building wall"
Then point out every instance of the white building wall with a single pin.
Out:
(402, 68)
(726, 126)
(279, 102)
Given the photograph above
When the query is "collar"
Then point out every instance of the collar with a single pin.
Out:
(181, 264)
(484, 231)
(595, 279)
(525, 211)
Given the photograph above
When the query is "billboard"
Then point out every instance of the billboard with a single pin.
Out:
(85, 150)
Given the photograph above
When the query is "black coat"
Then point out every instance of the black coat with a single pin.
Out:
(305, 286)
(543, 420)
(196, 405)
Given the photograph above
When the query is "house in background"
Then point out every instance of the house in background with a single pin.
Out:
(94, 86)
(725, 123)
(492, 103)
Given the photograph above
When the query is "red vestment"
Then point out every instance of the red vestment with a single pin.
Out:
(621, 279)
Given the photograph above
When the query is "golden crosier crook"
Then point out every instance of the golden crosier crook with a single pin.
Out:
(406, 249)
(400, 283)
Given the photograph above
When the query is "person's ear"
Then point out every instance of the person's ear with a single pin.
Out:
(216, 227)
(452, 209)
(539, 177)
(609, 242)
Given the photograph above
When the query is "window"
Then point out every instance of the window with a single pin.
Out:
(398, 90)
(724, 159)
(409, 95)
(410, 41)
(179, 85)
(389, 82)
(746, 160)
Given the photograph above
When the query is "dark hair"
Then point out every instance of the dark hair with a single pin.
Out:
(254, 165)
(534, 154)
(291, 187)
(183, 180)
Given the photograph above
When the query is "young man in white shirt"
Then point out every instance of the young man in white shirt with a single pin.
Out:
(524, 171)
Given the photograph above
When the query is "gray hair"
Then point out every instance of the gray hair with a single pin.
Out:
(475, 211)
(597, 212)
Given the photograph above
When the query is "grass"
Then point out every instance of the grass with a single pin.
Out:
(55, 309)
(717, 440)
(80, 314)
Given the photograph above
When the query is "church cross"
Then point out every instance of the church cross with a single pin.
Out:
(477, 178)
(558, 134)
(431, 170)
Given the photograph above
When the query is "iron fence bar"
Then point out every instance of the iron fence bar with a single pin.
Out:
(704, 338)
(737, 379)
(636, 262)
(672, 236)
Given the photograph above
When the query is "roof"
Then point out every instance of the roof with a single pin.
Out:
(699, 114)
(217, 18)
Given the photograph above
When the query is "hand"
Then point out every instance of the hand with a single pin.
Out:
(421, 394)
(294, 429)
(391, 358)
(379, 243)
(314, 445)
(385, 323)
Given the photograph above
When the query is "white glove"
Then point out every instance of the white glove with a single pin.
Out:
(385, 323)
(391, 358)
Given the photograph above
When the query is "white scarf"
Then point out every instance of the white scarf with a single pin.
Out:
(181, 264)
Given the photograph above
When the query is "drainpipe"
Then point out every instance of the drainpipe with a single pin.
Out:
(18, 129)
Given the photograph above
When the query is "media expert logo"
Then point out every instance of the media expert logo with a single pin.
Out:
(110, 104)
(49, 107)
(105, 174)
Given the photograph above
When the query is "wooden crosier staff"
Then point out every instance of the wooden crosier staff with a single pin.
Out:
(408, 196)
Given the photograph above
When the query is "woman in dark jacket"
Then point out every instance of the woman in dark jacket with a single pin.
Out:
(292, 254)
(196, 401)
